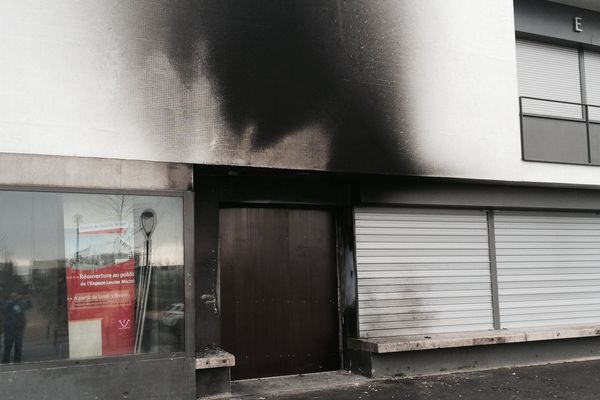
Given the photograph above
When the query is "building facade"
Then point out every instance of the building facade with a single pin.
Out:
(198, 191)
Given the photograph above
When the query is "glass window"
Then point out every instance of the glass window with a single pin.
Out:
(89, 275)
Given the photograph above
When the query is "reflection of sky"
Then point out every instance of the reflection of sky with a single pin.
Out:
(33, 225)
(167, 238)
(30, 227)
(90, 244)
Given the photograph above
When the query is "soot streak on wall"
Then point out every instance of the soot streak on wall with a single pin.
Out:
(280, 66)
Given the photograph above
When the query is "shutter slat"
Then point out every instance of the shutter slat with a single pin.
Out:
(592, 82)
(422, 271)
(549, 72)
(548, 268)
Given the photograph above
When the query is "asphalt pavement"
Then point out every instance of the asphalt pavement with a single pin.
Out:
(573, 381)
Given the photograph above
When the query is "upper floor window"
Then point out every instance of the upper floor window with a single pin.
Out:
(559, 89)
(550, 73)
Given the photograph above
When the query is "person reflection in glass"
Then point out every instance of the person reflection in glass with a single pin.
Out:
(13, 311)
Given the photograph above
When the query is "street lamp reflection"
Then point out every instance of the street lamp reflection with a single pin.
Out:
(147, 224)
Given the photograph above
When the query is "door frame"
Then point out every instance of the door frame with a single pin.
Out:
(217, 188)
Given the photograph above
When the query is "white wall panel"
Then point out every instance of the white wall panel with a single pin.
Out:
(422, 271)
(94, 79)
(548, 268)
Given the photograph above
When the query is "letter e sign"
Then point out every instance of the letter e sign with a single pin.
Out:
(578, 24)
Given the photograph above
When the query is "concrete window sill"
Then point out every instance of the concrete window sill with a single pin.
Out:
(475, 338)
(214, 357)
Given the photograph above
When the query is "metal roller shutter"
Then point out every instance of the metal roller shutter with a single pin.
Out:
(548, 268)
(592, 83)
(549, 72)
(422, 271)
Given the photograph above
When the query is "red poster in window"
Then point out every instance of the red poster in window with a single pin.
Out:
(100, 282)
(105, 295)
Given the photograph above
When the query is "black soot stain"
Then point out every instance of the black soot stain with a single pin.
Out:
(278, 66)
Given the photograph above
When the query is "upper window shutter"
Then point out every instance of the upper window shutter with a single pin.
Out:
(592, 83)
(552, 73)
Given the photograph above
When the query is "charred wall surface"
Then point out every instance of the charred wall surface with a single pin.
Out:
(280, 67)
(285, 84)
(389, 87)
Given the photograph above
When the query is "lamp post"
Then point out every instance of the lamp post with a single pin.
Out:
(147, 224)
(77, 217)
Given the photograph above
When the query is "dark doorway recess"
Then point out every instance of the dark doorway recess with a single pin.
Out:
(279, 291)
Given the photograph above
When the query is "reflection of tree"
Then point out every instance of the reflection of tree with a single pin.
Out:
(47, 285)
(119, 210)
(9, 280)
(48, 291)
(4, 252)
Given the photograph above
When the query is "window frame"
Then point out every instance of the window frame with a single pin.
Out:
(188, 282)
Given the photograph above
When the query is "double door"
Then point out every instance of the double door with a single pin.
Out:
(278, 281)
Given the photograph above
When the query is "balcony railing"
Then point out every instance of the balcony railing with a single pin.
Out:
(559, 131)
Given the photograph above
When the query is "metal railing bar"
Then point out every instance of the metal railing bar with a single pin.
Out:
(559, 101)
(587, 132)
(545, 116)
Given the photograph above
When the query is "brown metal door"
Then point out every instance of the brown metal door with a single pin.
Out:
(278, 291)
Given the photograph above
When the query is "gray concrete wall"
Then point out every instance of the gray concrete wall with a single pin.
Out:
(452, 194)
(550, 19)
(427, 362)
(92, 173)
(141, 379)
